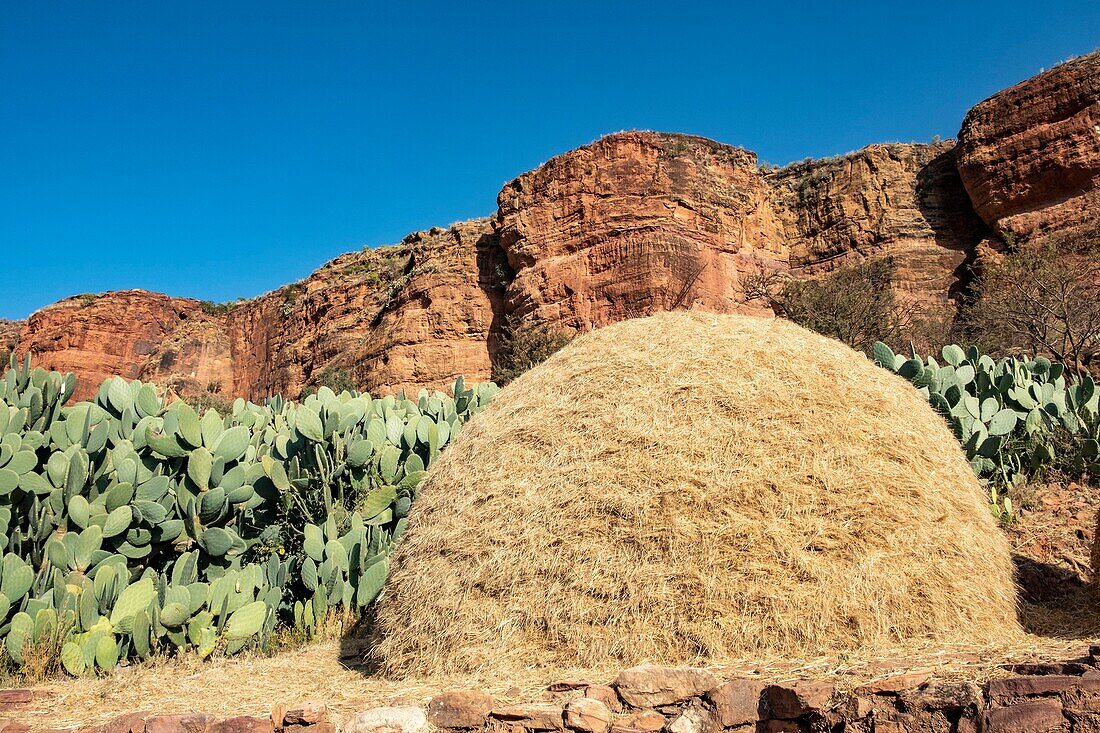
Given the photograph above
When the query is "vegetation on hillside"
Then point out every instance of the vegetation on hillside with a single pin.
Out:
(1041, 299)
(524, 346)
(856, 304)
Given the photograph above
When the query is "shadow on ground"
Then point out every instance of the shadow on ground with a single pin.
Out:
(355, 645)
(1056, 601)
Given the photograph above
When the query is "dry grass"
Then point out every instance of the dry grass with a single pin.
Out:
(695, 488)
(244, 685)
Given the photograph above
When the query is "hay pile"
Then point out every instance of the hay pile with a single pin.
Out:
(695, 488)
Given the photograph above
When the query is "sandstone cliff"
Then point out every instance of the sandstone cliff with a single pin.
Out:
(906, 201)
(97, 336)
(416, 314)
(1029, 156)
(634, 223)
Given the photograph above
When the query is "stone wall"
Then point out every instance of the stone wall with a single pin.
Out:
(1033, 698)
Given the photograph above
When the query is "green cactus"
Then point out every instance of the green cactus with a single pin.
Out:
(1004, 412)
(141, 513)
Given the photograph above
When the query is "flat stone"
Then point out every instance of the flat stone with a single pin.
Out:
(12, 698)
(648, 685)
(890, 726)
(306, 713)
(737, 702)
(794, 699)
(783, 726)
(325, 726)
(566, 685)
(606, 695)
(182, 723)
(242, 724)
(1080, 702)
(1035, 716)
(862, 707)
(128, 723)
(943, 696)
(459, 709)
(278, 712)
(1049, 684)
(532, 716)
(695, 718)
(1073, 668)
(13, 726)
(407, 719)
(646, 721)
(587, 714)
(893, 685)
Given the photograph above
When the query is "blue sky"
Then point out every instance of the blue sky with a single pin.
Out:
(219, 150)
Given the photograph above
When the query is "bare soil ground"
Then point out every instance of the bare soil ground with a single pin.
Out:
(1052, 540)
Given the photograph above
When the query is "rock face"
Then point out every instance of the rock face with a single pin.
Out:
(99, 336)
(446, 320)
(635, 223)
(1029, 156)
(416, 314)
(642, 222)
(9, 336)
(906, 201)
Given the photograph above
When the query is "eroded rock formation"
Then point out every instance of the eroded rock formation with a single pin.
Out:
(98, 336)
(906, 201)
(641, 222)
(416, 314)
(634, 223)
(1030, 155)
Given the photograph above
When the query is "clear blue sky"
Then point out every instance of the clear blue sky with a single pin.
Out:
(219, 150)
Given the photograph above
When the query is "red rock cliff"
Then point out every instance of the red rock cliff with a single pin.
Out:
(634, 223)
(639, 222)
(97, 336)
(1030, 155)
(902, 200)
(9, 336)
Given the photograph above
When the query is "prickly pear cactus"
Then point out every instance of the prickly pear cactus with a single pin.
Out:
(130, 526)
(1005, 413)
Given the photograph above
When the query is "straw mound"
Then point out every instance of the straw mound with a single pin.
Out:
(695, 488)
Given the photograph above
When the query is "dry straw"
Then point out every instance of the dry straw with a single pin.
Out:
(695, 488)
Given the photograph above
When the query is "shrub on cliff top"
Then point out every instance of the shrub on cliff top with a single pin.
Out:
(694, 487)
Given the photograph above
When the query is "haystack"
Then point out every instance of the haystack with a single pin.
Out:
(695, 488)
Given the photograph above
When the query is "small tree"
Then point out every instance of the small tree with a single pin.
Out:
(523, 346)
(854, 304)
(1042, 299)
(335, 378)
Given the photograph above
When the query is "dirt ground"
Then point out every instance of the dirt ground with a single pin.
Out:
(1052, 540)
